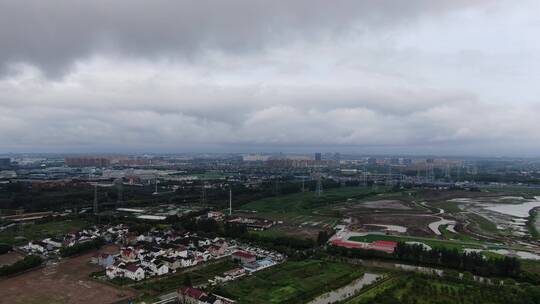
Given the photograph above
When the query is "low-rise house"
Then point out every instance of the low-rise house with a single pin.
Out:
(53, 242)
(243, 257)
(180, 251)
(215, 214)
(231, 275)
(102, 259)
(134, 272)
(161, 268)
(204, 242)
(115, 270)
(216, 251)
(190, 295)
(37, 246)
(188, 262)
(171, 262)
(128, 254)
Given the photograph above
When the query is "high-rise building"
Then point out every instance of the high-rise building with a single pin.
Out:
(318, 156)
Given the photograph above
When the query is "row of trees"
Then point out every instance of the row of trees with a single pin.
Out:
(448, 258)
(81, 247)
(28, 262)
(416, 289)
(474, 262)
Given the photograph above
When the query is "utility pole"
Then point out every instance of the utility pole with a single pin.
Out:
(156, 189)
(203, 199)
(319, 185)
(230, 201)
(365, 176)
(95, 200)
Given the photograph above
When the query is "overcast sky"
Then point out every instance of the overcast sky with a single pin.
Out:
(416, 77)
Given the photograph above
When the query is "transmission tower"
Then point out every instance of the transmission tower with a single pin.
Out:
(319, 189)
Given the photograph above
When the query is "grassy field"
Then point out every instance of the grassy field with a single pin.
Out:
(455, 236)
(449, 207)
(291, 282)
(40, 231)
(483, 223)
(460, 245)
(426, 290)
(512, 190)
(198, 275)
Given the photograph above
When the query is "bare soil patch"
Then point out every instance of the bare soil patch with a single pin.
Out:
(417, 225)
(66, 282)
(384, 204)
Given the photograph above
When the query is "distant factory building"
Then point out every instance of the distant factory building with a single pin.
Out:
(87, 162)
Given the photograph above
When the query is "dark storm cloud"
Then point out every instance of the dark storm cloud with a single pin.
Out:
(52, 34)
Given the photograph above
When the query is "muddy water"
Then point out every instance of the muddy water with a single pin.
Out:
(517, 210)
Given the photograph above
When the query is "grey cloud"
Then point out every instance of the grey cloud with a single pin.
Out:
(53, 34)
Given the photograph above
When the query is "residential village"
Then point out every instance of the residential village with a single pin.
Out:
(160, 253)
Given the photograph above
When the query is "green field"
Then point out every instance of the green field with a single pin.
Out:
(483, 223)
(17, 236)
(291, 282)
(430, 242)
(420, 289)
(306, 203)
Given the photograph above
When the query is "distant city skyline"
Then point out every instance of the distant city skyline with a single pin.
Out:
(419, 77)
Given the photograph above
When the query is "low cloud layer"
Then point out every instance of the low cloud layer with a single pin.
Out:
(449, 77)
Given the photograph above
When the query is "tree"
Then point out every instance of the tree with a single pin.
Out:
(187, 281)
(322, 237)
